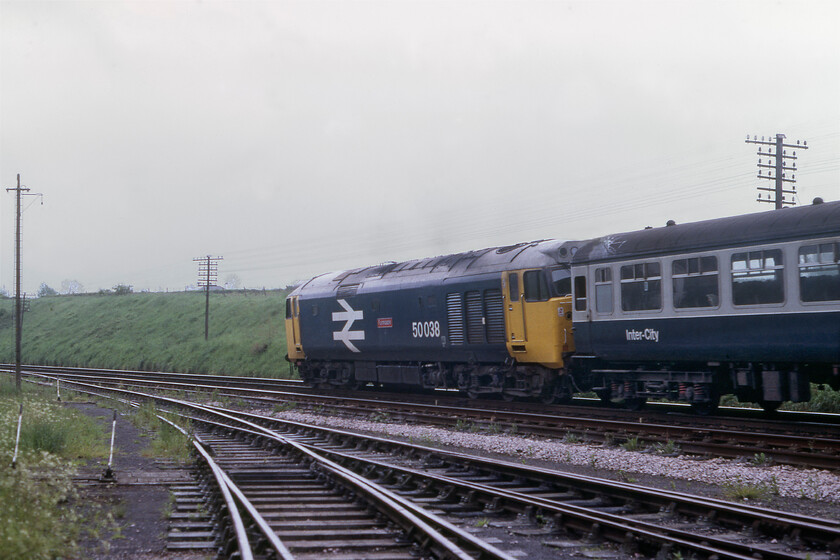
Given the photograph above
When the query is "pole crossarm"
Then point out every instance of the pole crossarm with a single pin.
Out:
(208, 275)
(777, 161)
(19, 192)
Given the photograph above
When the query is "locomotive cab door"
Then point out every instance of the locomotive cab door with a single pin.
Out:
(514, 311)
(538, 316)
(294, 346)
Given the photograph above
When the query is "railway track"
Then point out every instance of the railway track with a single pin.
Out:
(547, 507)
(801, 444)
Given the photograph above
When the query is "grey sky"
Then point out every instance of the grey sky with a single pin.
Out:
(299, 137)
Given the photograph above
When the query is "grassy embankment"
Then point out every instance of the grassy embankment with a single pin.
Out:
(153, 331)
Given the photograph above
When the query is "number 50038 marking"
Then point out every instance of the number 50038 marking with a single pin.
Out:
(427, 329)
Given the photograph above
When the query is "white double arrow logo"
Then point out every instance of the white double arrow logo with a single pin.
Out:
(349, 315)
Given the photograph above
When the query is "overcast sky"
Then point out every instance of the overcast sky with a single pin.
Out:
(294, 138)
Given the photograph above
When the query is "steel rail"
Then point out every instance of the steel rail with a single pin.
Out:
(619, 525)
(228, 489)
(595, 406)
(661, 497)
(518, 470)
(782, 448)
(412, 516)
(613, 526)
(270, 384)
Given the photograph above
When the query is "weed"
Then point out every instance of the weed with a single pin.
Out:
(380, 417)
(623, 477)
(285, 406)
(667, 448)
(737, 490)
(571, 437)
(483, 522)
(171, 443)
(593, 461)
(761, 460)
(632, 444)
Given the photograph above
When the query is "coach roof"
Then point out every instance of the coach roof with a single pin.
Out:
(749, 229)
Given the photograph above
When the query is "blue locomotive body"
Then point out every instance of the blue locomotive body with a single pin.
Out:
(440, 322)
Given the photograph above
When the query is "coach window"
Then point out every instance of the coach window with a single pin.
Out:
(580, 293)
(695, 282)
(819, 272)
(536, 287)
(758, 277)
(603, 290)
(641, 287)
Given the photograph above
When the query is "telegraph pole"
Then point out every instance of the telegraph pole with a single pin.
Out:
(776, 167)
(19, 191)
(208, 273)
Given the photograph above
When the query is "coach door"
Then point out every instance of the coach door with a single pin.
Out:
(514, 311)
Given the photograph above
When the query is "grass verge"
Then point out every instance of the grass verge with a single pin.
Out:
(36, 520)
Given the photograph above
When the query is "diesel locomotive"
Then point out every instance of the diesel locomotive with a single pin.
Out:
(748, 305)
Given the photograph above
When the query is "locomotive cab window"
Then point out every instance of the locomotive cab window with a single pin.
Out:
(819, 272)
(695, 282)
(641, 287)
(561, 281)
(513, 280)
(288, 308)
(758, 277)
(536, 286)
(603, 290)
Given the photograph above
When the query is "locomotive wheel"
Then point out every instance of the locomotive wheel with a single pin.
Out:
(770, 406)
(705, 408)
(635, 403)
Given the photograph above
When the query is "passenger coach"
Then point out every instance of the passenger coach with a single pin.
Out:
(747, 305)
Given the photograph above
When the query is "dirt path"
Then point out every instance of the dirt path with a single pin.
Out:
(138, 500)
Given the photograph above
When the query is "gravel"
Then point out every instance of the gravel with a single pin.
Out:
(781, 480)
